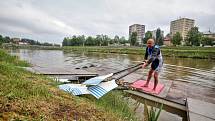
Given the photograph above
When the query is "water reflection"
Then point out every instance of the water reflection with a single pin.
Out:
(205, 64)
(183, 69)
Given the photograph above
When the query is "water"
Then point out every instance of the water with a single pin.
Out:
(196, 71)
(190, 77)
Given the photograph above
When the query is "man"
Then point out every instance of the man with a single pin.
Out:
(156, 61)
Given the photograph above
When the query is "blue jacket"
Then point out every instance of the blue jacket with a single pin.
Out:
(153, 53)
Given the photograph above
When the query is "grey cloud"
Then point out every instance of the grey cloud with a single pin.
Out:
(51, 20)
(35, 27)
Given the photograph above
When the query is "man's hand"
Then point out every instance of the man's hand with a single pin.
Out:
(144, 65)
(146, 61)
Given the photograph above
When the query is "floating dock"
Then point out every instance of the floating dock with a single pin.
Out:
(73, 75)
(189, 108)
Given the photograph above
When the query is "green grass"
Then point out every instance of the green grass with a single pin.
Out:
(14, 60)
(27, 96)
(115, 102)
(16, 46)
(183, 52)
(152, 113)
(17, 84)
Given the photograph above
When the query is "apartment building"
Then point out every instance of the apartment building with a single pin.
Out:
(139, 29)
(182, 25)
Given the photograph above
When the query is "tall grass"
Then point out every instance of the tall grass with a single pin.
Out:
(12, 59)
(114, 102)
(152, 114)
(16, 83)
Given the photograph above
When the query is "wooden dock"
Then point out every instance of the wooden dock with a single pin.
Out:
(57, 71)
(194, 110)
(200, 110)
(152, 100)
(177, 99)
(165, 93)
(73, 75)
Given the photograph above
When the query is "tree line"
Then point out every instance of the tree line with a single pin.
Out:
(194, 38)
(104, 40)
(98, 40)
(158, 37)
(7, 39)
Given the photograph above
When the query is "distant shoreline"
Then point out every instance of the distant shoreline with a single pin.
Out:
(182, 51)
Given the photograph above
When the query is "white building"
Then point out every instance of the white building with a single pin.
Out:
(139, 29)
(182, 25)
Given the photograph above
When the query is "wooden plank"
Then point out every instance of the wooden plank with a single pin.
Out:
(164, 92)
(200, 110)
(132, 77)
(158, 99)
(57, 71)
(177, 92)
(197, 117)
(137, 76)
(151, 100)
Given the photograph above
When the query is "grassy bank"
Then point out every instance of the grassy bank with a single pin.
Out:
(182, 51)
(185, 52)
(16, 46)
(27, 96)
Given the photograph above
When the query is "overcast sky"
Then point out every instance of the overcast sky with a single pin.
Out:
(52, 20)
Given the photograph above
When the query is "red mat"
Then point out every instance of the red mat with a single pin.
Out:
(139, 83)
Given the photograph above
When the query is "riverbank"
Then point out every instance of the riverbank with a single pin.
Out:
(16, 46)
(183, 52)
(27, 96)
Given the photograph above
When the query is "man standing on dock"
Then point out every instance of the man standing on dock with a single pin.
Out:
(156, 61)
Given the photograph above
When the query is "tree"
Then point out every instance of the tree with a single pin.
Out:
(65, 40)
(193, 37)
(99, 40)
(7, 39)
(122, 40)
(148, 35)
(116, 39)
(73, 40)
(207, 41)
(177, 38)
(47, 44)
(133, 38)
(159, 37)
(90, 41)
(1, 39)
(4, 39)
(81, 40)
(106, 40)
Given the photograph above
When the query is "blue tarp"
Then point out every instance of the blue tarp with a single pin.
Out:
(97, 80)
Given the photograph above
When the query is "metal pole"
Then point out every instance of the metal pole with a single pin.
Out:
(117, 79)
(128, 68)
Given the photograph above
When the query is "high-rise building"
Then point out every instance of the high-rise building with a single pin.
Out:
(182, 25)
(139, 29)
